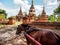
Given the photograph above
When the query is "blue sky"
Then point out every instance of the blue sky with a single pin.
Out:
(12, 7)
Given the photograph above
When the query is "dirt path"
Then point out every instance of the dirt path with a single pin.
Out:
(7, 36)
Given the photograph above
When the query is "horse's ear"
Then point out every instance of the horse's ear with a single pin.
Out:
(19, 25)
(18, 31)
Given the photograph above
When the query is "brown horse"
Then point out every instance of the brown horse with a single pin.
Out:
(45, 37)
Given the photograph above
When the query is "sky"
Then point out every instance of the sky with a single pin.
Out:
(12, 7)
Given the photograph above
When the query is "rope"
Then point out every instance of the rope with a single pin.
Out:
(33, 40)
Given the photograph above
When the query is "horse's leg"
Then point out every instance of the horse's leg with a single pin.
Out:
(29, 42)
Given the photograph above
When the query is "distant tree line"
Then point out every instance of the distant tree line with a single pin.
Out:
(56, 16)
(3, 12)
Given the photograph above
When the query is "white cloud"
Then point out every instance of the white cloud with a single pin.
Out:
(52, 2)
(23, 3)
(38, 9)
(50, 6)
(25, 6)
(1, 4)
(12, 12)
(9, 11)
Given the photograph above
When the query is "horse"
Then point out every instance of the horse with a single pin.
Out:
(45, 37)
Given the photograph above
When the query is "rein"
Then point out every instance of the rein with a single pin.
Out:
(32, 39)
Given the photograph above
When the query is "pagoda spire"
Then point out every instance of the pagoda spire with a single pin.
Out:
(20, 15)
(32, 2)
(43, 12)
(32, 6)
(20, 12)
(32, 9)
(43, 17)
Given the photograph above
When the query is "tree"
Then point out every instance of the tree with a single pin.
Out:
(3, 12)
(52, 18)
(57, 10)
(58, 18)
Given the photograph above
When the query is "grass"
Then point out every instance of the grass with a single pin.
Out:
(1, 26)
(16, 24)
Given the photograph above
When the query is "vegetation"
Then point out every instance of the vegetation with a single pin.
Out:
(58, 18)
(1, 26)
(57, 10)
(52, 18)
(3, 14)
(17, 23)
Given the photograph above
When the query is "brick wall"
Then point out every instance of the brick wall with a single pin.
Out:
(47, 25)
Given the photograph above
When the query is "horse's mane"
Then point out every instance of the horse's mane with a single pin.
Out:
(31, 29)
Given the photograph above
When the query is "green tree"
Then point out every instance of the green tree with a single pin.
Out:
(57, 10)
(3, 12)
(52, 18)
(58, 18)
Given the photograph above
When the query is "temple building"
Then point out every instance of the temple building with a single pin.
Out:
(32, 13)
(43, 17)
(20, 15)
(11, 21)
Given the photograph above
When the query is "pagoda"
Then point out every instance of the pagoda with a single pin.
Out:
(32, 12)
(43, 16)
(20, 15)
(32, 9)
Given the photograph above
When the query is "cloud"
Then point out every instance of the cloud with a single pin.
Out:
(49, 7)
(25, 6)
(12, 12)
(52, 2)
(58, 1)
(21, 2)
(9, 11)
(1, 4)
(38, 9)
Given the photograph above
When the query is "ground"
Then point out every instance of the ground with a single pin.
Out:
(8, 36)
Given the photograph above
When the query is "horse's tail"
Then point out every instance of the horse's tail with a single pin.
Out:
(58, 42)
